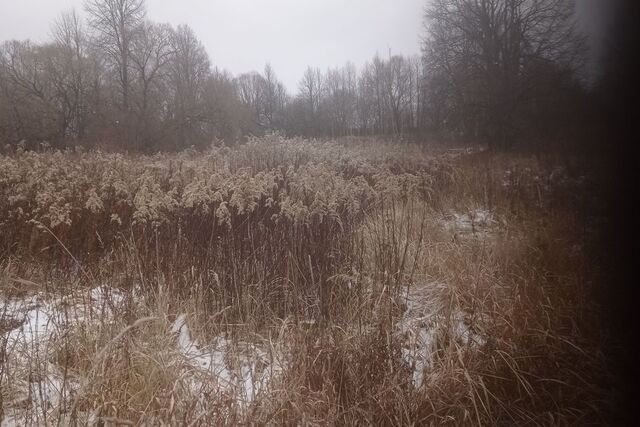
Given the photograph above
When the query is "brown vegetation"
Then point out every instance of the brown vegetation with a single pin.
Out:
(348, 282)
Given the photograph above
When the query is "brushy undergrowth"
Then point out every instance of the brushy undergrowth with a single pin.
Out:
(393, 284)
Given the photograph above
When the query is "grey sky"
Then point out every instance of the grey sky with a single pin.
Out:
(243, 35)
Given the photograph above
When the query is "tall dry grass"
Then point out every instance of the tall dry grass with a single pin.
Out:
(332, 261)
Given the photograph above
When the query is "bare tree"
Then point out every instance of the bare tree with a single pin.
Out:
(151, 55)
(397, 89)
(367, 100)
(70, 38)
(115, 23)
(227, 116)
(265, 96)
(340, 99)
(310, 90)
(250, 90)
(487, 49)
(275, 98)
(189, 71)
(31, 89)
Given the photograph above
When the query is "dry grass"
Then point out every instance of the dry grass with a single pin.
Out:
(342, 282)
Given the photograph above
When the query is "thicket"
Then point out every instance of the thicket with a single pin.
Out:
(311, 247)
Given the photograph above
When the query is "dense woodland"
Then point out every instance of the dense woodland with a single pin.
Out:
(498, 72)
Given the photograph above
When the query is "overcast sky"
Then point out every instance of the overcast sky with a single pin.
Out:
(243, 35)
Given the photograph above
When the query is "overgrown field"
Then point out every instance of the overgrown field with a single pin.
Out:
(289, 281)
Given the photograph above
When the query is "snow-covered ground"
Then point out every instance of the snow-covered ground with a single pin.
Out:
(39, 316)
(235, 369)
(38, 388)
(240, 370)
(475, 222)
(429, 324)
(39, 391)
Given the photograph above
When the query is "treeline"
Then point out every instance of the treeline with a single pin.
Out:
(126, 82)
(490, 71)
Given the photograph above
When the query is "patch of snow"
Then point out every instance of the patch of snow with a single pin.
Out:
(477, 221)
(425, 327)
(239, 369)
(37, 386)
(36, 401)
(42, 317)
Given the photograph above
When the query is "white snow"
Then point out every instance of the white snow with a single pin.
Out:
(473, 222)
(426, 324)
(43, 316)
(240, 369)
(38, 387)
